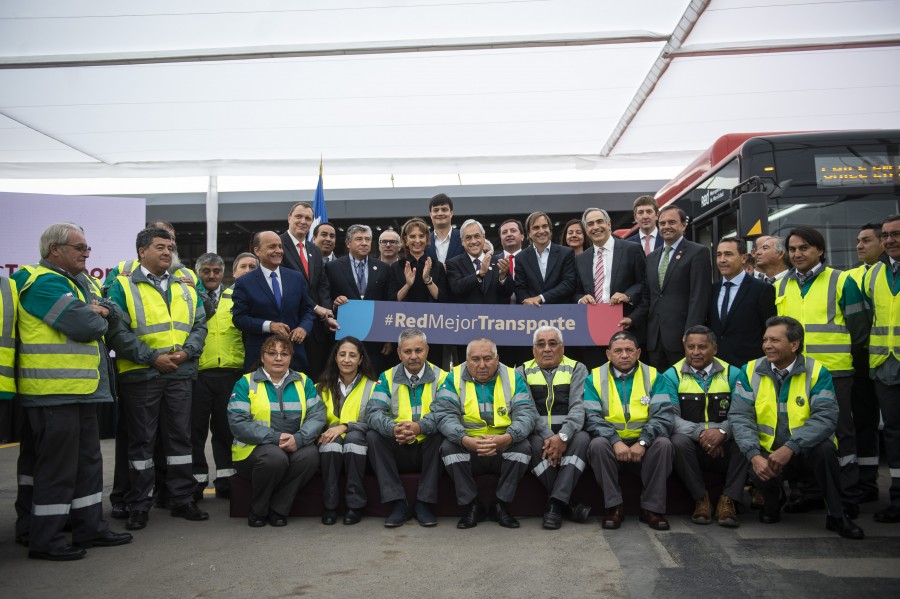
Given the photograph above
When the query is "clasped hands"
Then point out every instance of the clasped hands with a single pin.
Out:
(488, 445)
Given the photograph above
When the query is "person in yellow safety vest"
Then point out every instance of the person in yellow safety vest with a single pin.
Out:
(882, 286)
(175, 269)
(700, 387)
(220, 367)
(275, 414)
(63, 373)
(9, 308)
(784, 418)
(864, 400)
(403, 433)
(830, 306)
(156, 358)
(485, 414)
(345, 387)
(558, 445)
(631, 434)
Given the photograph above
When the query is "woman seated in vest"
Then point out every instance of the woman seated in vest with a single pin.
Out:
(275, 415)
(345, 387)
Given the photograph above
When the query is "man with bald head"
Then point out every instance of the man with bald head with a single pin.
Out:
(272, 300)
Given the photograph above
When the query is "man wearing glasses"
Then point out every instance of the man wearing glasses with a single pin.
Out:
(389, 246)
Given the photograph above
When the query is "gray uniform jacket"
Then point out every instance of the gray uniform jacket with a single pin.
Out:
(383, 405)
(573, 421)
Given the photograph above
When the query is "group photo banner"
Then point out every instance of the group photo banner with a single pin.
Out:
(449, 324)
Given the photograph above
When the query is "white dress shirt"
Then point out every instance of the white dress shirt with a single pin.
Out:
(607, 268)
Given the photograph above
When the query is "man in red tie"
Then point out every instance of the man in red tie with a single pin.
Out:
(646, 213)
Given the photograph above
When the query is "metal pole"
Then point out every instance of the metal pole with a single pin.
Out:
(212, 215)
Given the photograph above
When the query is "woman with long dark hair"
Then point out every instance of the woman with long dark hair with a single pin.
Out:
(573, 236)
(345, 387)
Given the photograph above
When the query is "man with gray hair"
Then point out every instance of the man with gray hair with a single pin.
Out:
(403, 431)
(771, 258)
(558, 445)
(485, 413)
(63, 373)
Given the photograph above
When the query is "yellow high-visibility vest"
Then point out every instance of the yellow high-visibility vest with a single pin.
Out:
(9, 309)
(504, 389)
(261, 406)
(224, 347)
(885, 338)
(638, 402)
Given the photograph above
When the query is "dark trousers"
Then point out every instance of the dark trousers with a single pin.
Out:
(62, 459)
(560, 480)
(846, 436)
(655, 468)
(463, 465)
(864, 403)
(661, 358)
(821, 462)
(389, 459)
(209, 412)
(158, 407)
(691, 461)
(347, 454)
(121, 468)
(889, 400)
(277, 476)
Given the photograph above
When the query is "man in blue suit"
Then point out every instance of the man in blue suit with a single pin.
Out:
(272, 300)
(445, 241)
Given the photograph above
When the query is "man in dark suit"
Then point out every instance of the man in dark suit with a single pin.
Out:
(304, 257)
(545, 271)
(677, 290)
(489, 283)
(357, 276)
(445, 240)
(272, 300)
(739, 306)
(611, 272)
(646, 213)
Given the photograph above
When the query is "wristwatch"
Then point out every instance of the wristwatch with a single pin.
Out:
(722, 430)
(642, 443)
(564, 437)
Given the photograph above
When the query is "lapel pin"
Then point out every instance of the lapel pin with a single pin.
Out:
(374, 268)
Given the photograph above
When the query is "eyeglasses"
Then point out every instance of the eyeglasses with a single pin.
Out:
(553, 344)
(388, 242)
(895, 235)
(277, 354)
(80, 248)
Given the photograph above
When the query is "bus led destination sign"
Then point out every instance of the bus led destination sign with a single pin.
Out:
(856, 171)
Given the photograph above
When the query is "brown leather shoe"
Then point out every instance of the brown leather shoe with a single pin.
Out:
(702, 511)
(612, 518)
(654, 520)
(726, 512)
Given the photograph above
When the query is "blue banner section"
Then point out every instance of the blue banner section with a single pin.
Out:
(581, 325)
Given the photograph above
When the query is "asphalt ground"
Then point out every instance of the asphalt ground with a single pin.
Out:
(224, 558)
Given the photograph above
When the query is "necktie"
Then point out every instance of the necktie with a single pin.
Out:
(512, 267)
(895, 267)
(780, 375)
(302, 251)
(477, 263)
(214, 297)
(727, 285)
(702, 374)
(647, 244)
(599, 275)
(414, 379)
(276, 288)
(769, 280)
(664, 265)
(361, 278)
(155, 280)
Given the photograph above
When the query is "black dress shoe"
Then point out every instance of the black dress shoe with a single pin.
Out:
(119, 511)
(254, 521)
(424, 515)
(498, 514)
(845, 527)
(890, 515)
(474, 515)
(107, 539)
(137, 520)
(329, 517)
(353, 516)
(803, 505)
(276, 519)
(400, 513)
(577, 512)
(63, 554)
(189, 511)
(767, 517)
(553, 516)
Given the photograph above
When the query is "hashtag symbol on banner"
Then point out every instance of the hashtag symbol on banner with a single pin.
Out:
(388, 320)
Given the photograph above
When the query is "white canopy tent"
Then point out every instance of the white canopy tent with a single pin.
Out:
(102, 96)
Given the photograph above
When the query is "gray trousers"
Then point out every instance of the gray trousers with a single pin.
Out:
(691, 461)
(560, 481)
(655, 468)
(60, 472)
(277, 476)
(162, 407)
(889, 399)
(348, 454)
(389, 459)
(463, 465)
(821, 462)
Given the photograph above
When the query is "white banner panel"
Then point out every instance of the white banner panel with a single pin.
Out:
(110, 227)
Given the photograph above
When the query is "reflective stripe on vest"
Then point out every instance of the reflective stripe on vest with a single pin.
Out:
(401, 403)
(885, 337)
(797, 404)
(262, 406)
(9, 308)
(504, 390)
(690, 391)
(224, 347)
(826, 336)
(353, 408)
(49, 363)
(544, 396)
(151, 319)
(639, 412)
